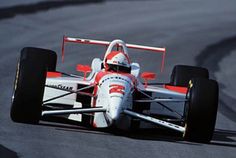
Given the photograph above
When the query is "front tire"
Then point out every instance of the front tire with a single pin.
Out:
(201, 110)
(29, 84)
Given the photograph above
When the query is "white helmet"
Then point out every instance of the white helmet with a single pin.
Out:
(117, 61)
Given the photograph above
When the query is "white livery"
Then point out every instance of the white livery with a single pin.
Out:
(111, 92)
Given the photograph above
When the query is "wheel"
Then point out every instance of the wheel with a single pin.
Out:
(181, 74)
(201, 109)
(29, 83)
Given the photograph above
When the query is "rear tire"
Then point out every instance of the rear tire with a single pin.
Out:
(181, 74)
(201, 110)
(29, 83)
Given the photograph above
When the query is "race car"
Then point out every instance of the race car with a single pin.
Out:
(113, 93)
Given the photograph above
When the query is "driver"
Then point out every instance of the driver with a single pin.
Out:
(117, 61)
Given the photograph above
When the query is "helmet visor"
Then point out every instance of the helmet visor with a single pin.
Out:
(118, 68)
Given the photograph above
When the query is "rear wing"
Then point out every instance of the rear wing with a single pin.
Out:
(106, 43)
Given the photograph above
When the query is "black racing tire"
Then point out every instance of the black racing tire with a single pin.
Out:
(29, 84)
(201, 109)
(181, 74)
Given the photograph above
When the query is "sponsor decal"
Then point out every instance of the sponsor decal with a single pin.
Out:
(115, 88)
(60, 86)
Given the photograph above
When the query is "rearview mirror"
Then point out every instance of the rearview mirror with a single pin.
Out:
(84, 68)
(148, 76)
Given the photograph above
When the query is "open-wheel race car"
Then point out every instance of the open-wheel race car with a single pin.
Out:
(111, 92)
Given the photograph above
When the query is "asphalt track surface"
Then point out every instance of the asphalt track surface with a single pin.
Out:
(194, 32)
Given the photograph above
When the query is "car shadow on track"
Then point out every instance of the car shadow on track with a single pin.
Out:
(221, 137)
(159, 134)
(224, 138)
(7, 153)
(142, 134)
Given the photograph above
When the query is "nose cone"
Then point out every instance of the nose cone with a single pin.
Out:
(115, 107)
(115, 92)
